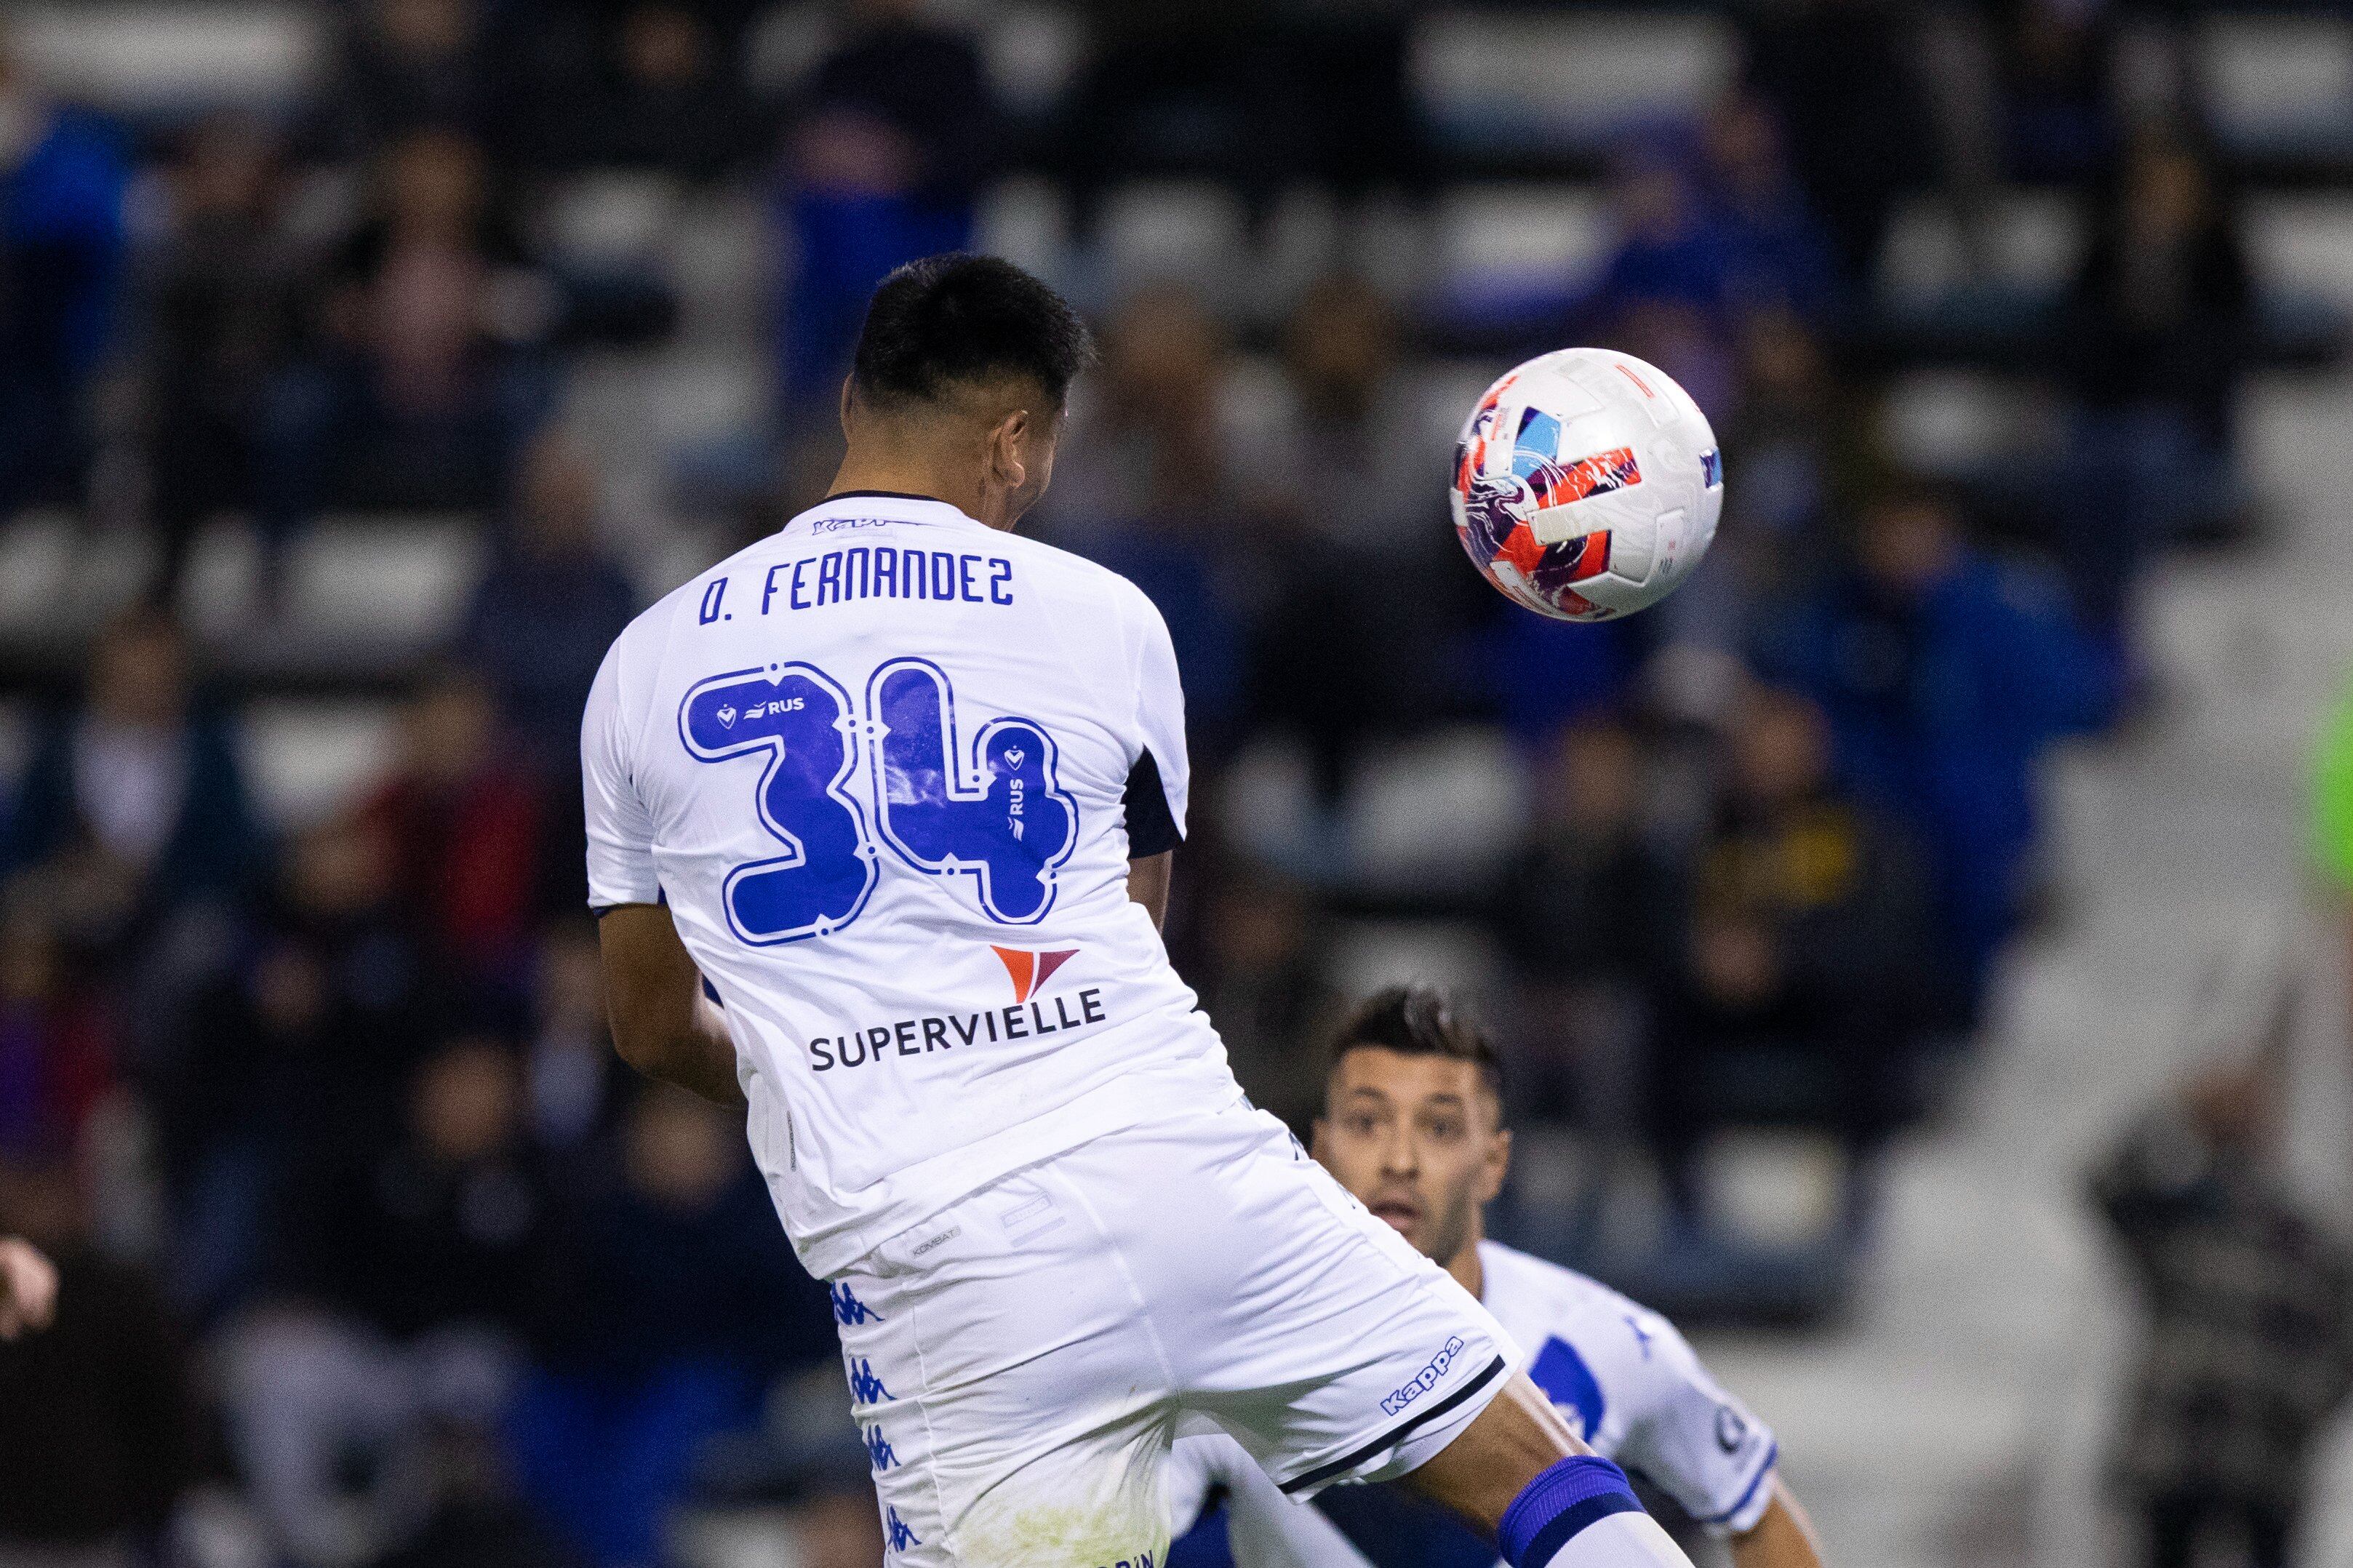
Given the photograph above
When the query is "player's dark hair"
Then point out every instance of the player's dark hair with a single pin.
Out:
(956, 319)
(1418, 1021)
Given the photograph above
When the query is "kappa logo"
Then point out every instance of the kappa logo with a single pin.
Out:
(848, 1310)
(1426, 1379)
(865, 1387)
(901, 1537)
(879, 1450)
(1029, 971)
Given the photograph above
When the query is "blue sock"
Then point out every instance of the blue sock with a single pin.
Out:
(1558, 1503)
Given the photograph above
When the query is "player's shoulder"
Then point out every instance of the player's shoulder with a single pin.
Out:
(1517, 1277)
(1542, 1299)
(1079, 576)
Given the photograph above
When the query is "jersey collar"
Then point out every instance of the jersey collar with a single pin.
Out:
(889, 504)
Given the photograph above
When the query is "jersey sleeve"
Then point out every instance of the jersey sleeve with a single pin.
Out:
(1695, 1441)
(1161, 776)
(620, 831)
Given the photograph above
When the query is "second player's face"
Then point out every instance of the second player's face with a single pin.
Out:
(1415, 1138)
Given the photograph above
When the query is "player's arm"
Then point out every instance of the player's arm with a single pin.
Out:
(28, 1288)
(1783, 1538)
(1148, 883)
(663, 1025)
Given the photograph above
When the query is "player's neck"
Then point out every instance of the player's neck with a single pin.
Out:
(1464, 1265)
(908, 473)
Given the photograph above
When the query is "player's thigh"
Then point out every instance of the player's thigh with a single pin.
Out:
(1291, 1316)
(1012, 1402)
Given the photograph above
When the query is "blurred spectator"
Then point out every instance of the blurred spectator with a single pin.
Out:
(465, 823)
(1801, 937)
(671, 1302)
(670, 96)
(890, 144)
(1843, 77)
(412, 1268)
(573, 1070)
(2156, 335)
(2250, 1302)
(1797, 449)
(298, 1055)
(1147, 488)
(62, 178)
(1585, 918)
(1777, 255)
(1944, 677)
(1336, 472)
(1668, 252)
(56, 1050)
(1347, 447)
(472, 1517)
(425, 390)
(550, 605)
(134, 805)
(224, 308)
(411, 65)
(97, 1436)
(1263, 975)
(2052, 57)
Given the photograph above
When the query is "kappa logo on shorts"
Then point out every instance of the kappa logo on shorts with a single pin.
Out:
(864, 1386)
(879, 1451)
(901, 1537)
(848, 1310)
(1426, 1379)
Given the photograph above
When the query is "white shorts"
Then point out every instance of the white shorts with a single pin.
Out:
(1021, 1362)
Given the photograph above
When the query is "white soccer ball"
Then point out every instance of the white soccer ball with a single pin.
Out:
(1587, 485)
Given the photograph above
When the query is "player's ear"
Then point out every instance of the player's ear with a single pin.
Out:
(1006, 464)
(1498, 1164)
(845, 407)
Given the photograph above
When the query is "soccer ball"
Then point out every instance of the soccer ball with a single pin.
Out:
(1587, 485)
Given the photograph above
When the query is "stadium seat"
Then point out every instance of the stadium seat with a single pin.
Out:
(1956, 422)
(306, 759)
(1561, 82)
(2303, 241)
(611, 217)
(1031, 53)
(162, 60)
(367, 587)
(1457, 956)
(2279, 88)
(1506, 251)
(1025, 220)
(1183, 231)
(1438, 815)
(2030, 241)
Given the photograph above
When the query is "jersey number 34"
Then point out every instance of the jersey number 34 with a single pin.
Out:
(1005, 821)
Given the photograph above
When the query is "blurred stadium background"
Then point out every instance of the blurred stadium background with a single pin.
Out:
(365, 367)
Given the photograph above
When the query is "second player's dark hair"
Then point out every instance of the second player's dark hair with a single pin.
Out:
(1418, 1021)
(960, 319)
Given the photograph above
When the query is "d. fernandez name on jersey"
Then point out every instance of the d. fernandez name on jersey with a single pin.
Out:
(913, 1036)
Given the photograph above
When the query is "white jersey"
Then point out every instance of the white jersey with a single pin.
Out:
(887, 767)
(1624, 1378)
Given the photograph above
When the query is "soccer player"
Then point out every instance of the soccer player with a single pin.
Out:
(1412, 1126)
(880, 817)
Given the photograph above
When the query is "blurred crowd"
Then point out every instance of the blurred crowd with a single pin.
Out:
(373, 1255)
